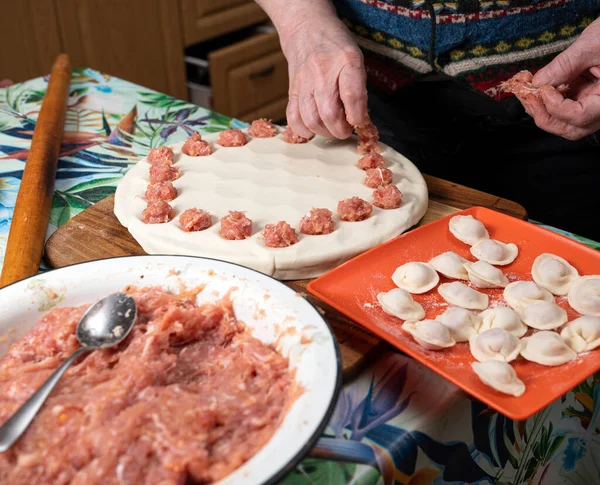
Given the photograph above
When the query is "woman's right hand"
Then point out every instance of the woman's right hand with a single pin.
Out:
(328, 94)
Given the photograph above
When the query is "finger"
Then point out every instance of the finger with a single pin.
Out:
(353, 93)
(310, 113)
(292, 112)
(331, 110)
(545, 121)
(564, 67)
(581, 113)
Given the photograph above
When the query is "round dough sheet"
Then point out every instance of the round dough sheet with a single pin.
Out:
(273, 181)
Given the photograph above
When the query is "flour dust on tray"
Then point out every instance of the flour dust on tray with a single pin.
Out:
(288, 206)
(187, 397)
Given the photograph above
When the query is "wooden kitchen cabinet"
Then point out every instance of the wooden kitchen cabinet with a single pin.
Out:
(137, 40)
(29, 39)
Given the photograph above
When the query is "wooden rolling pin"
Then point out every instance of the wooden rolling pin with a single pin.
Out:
(34, 200)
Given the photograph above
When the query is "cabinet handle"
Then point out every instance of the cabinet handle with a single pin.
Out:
(264, 73)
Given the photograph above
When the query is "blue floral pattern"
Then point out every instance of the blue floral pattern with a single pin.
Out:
(395, 423)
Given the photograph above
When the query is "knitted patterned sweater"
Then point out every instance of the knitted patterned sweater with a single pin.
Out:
(478, 42)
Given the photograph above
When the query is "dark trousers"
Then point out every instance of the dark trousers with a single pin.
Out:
(452, 132)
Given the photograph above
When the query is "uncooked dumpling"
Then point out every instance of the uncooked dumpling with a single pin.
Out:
(430, 334)
(543, 315)
(582, 334)
(459, 294)
(502, 317)
(484, 275)
(584, 295)
(495, 344)
(451, 265)
(399, 303)
(499, 376)
(519, 294)
(495, 252)
(467, 229)
(547, 348)
(461, 322)
(553, 273)
(416, 277)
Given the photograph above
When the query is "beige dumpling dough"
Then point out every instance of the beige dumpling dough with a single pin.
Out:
(483, 275)
(547, 348)
(399, 303)
(495, 344)
(543, 315)
(467, 229)
(519, 294)
(459, 294)
(584, 295)
(553, 273)
(582, 334)
(461, 322)
(502, 317)
(499, 376)
(430, 334)
(495, 252)
(450, 265)
(416, 277)
(271, 181)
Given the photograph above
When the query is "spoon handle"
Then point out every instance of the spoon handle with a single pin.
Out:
(12, 429)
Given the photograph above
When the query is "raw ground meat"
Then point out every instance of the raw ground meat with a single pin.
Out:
(316, 222)
(235, 226)
(289, 136)
(521, 85)
(157, 212)
(280, 235)
(378, 176)
(354, 209)
(161, 191)
(387, 197)
(262, 129)
(195, 146)
(195, 220)
(163, 173)
(371, 160)
(368, 137)
(160, 155)
(232, 138)
(187, 397)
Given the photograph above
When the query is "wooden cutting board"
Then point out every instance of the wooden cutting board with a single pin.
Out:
(97, 234)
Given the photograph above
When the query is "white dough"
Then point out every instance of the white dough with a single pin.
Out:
(582, 334)
(584, 295)
(553, 273)
(543, 315)
(430, 334)
(495, 344)
(467, 229)
(461, 322)
(546, 348)
(399, 303)
(495, 252)
(499, 376)
(273, 181)
(519, 294)
(502, 317)
(416, 277)
(450, 265)
(459, 294)
(484, 275)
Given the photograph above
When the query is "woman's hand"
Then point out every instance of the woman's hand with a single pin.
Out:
(328, 93)
(576, 112)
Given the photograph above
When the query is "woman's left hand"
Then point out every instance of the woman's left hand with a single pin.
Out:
(575, 113)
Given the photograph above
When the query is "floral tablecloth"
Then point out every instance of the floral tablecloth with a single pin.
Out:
(397, 422)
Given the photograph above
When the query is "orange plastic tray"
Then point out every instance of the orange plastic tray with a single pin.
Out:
(352, 289)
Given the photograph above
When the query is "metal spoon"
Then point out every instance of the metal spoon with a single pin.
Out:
(104, 324)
